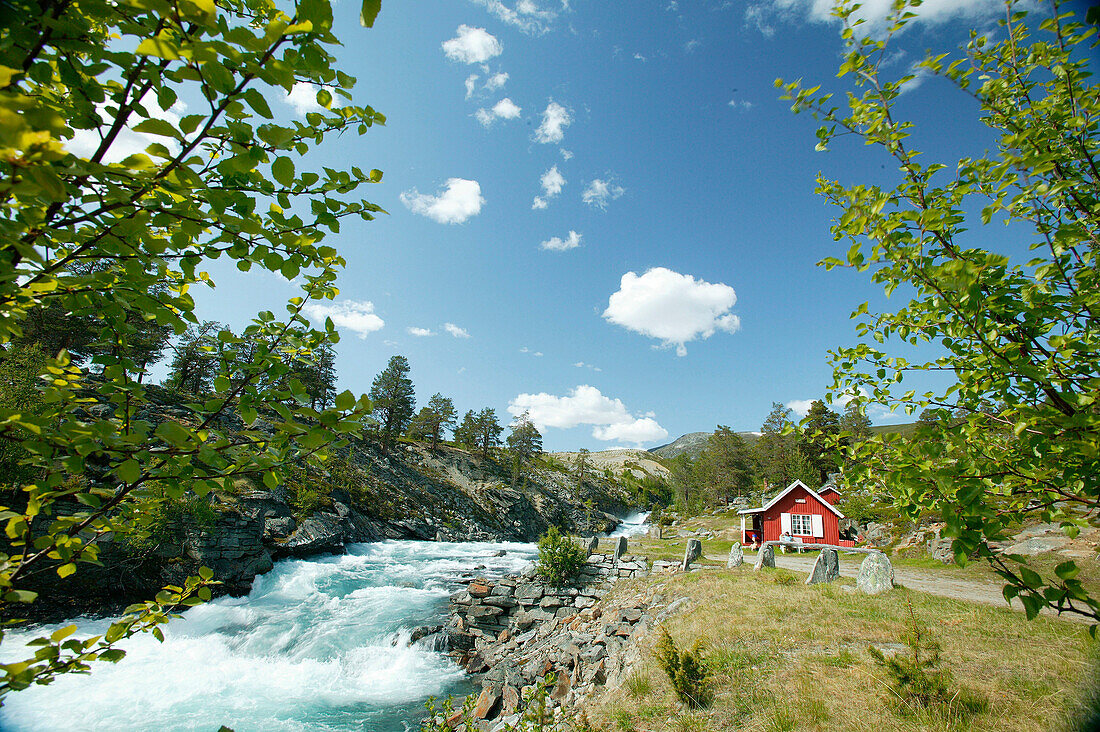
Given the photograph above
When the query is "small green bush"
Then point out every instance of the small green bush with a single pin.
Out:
(687, 670)
(559, 557)
(918, 681)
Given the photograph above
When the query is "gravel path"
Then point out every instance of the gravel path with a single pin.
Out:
(987, 592)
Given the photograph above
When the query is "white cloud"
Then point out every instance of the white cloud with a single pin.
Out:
(472, 46)
(640, 57)
(586, 405)
(504, 109)
(353, 315)
(742, 105)
(764, 14)
(691, 45)
(566, 154)
(599, 192)
(455, 330)
(496, 81)
(525, 15)
(557, 244)
(420, 332)
(461, 200)
(471, 84)
(552, 182)
(639, 431)
(555, 118)
(673, 307)
(801, 407)
(536, 354)
(583, 365)
(303, 97)
(84, 143)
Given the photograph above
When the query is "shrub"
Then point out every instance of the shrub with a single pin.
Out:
(917, 679)
(559, 557)
(687, 670)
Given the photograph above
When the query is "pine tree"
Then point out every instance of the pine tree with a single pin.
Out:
(488, 431)
(394, 400)
(821, 424)
(195, 360)
(466, 432)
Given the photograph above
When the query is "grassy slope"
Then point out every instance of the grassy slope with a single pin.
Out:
(793, 657)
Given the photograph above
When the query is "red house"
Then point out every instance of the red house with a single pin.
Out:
(798, 511)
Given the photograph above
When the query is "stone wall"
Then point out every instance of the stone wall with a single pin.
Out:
(518, 630)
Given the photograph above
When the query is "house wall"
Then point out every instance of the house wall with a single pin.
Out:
(831, 496)
(789, 504)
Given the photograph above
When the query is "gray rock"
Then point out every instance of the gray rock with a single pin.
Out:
(737, 556)
(826, 568)
(620, 547)
(876, 574)
(593, 544)
(693, 551)
(766, 558)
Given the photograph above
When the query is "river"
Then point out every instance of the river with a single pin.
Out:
(319, 644)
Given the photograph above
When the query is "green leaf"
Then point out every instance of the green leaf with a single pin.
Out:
(66, 569)
(369, 12)
(129, 471)
(160, 47)
(62, 633)
(283, 170)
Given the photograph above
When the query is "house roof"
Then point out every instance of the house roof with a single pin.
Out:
(791, 487)
(829, 487)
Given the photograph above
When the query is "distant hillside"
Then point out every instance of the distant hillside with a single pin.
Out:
(693, 443)
(641, 462)
(905, 430)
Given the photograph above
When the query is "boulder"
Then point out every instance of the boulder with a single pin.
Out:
(876, 574)
(826, 568)
(488, 703)
(620, 547)
(593, 544)
(737, 556)
(766, 557)
(693, 551)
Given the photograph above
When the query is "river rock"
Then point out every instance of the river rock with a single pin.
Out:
(876, 574)
(488, 703)
(620, 547)
(766, 557)
(737, 556)
(826, 568)
(693, 551)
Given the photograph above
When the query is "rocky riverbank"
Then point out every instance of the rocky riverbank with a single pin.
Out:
(518, 632)
(409, 492)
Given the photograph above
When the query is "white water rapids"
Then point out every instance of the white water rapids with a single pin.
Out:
(633, 525)
(319, 644)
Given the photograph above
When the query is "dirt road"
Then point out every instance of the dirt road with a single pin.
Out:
(936, 583)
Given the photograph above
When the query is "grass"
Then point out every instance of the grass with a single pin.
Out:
(794, 657)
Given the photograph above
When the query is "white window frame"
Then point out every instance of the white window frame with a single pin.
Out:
(802, 524)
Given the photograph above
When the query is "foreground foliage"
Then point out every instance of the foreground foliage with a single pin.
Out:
(687, 670)
(560, 557)
(138, 144)
(1016, 437)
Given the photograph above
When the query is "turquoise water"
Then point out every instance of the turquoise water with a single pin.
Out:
(319, 644)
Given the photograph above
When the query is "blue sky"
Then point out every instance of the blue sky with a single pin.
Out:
(621, 234)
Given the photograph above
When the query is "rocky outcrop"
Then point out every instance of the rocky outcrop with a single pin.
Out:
(519, 632)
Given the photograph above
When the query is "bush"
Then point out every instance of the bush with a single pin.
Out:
(687, 670)
(918, 681)
(559, 557)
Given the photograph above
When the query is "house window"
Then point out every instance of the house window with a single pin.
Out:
(801, 524)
